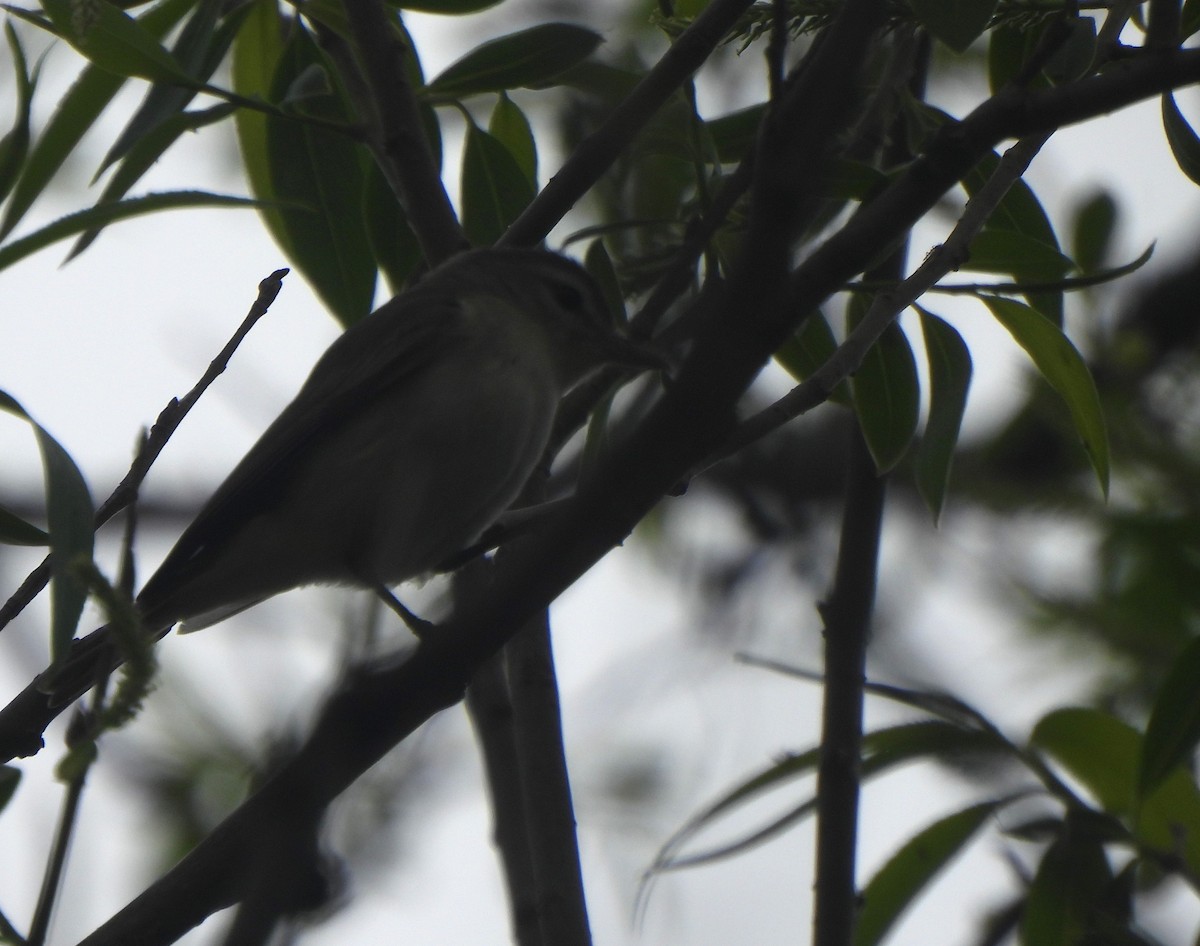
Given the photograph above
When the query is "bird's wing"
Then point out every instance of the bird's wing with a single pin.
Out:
(388, 348)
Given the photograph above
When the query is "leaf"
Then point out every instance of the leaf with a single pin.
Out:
(1095, 223)
(393, 242)
(511, 128)
(1073, 59)
(1097, 749)
(734, 134)
(1020, 211)
(1173, 730)
(882, 750)
(256, 53)
(1189, 19)
(1025, 258)
(600, 267)
(70, 515)
(950, 369)
(957, 23)
(1062, 904)
(16, 531)
(77, 111)
(202, 46)
(1009, 48)
(1183, 141)
(911, 869)
(494, 188)
(103, 215)
(319, 179)
(1063, 367)
(112, 40)
(143, 155)
(165, 101)
(14, 146)
(887, 397)
(808, 349)
(529, 57)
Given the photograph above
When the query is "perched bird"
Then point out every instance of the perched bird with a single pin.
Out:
(415, 430)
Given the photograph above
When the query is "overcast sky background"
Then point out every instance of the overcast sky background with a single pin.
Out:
(96, 348)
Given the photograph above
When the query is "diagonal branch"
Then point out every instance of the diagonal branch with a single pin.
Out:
(600, 149)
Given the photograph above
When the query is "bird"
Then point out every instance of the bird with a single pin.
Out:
(415, 430)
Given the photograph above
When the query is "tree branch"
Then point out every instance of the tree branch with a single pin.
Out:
(397, 135)
(600, 149)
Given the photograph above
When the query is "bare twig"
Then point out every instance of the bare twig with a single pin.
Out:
(164, 427)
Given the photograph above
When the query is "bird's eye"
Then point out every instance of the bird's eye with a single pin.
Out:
(568, 296)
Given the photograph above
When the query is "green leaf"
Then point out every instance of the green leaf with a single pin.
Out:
(600, 267)
(1183, 141)
(1071, 881)
(734, 134)
(957, 23)
(1169, 818)
(16, 531)
(1097, 749)
(14, 146)
(494, 188)
(70, 515)
(1073, 59)
(1025, 258)
(392, 240)
(1104, 755)
(1063, 367)
(319, 178)
(808, 349)
(163, 102)
(882, 750)
(1189, 19)
(1019, 211)
(530, 57)
(101, 216)
(113, 40)
(256, 53)
(10, 777)
(1009, 48)
(76, 113)
(143, 155)
(886, 394)
(1095, 223)
(950, 368)
(911, 869)
(511, 128)
(1174, 727)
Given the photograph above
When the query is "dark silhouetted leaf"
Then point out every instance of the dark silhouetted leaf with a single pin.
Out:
(1063, 367)
(949, 380)
(957, 23)
(911, 869)
(494, 188)
(529, 57)
(70, 513)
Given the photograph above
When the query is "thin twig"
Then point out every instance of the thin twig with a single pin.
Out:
(164, 427)
(887, 305)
